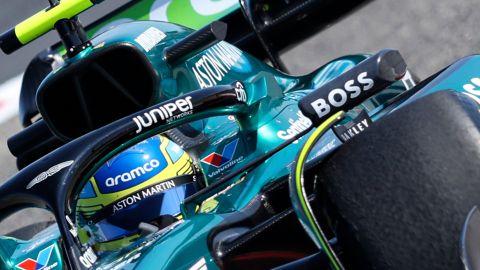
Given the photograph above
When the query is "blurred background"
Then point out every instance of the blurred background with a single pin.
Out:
(430, 34)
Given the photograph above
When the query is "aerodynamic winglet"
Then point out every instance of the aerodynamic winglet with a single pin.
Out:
(354, 86)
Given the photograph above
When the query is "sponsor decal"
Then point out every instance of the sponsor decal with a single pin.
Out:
(131, 168)
(227, 166)
(240, 92)
(166, 112)
(218, 160)
(354, 127)
(41, 263)
(200, 265)
(150, 38)
(150, 191)
(297, 126)
(53, 170)
(143, 194)
(88, 258)
(338, 97)
(128, 176)
(215, 63)
(223, 161)
(473, 89)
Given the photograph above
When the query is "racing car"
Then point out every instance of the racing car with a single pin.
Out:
(157, 146)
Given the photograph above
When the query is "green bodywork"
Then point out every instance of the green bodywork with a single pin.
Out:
(273, 116)
(14, 252)
(189, 13)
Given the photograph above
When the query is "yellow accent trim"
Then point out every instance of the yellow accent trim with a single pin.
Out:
(302, 196)
(44, 21)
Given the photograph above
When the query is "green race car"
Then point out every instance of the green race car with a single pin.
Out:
(163, 147)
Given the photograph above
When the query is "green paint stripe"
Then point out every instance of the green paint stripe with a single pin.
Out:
(300, 190)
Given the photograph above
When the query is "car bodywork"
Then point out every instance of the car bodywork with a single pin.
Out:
(232, 100)
(274, 97)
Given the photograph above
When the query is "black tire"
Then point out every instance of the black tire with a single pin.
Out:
(404, 187)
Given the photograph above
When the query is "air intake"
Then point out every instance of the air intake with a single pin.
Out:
(97, 90)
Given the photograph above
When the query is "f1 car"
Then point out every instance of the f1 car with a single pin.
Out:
(161, 147)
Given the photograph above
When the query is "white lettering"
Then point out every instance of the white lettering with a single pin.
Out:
(354, 90)
(127, 177)
(362, 78)
(320, 107)
(88, 258)
(149, 118)
(220, 53)
(338, 97)
(218, 66)
(199, 79)
(137, 172)
(240, 92)
(55, 264)
(171, 108)
(208, 64)
(360, 126)
(296, 127)
(217, 61)
(225, 167)
(365, 123)
(474, 87)
(182, 105)
(164, 112)
(199, 64)
(341, 93)
(355, 130)
(150, 38)
(158, 188)
(134, 198)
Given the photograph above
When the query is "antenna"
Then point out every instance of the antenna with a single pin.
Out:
(53, 3)
(73, 35)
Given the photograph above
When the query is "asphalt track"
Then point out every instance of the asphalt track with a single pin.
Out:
(430, 34)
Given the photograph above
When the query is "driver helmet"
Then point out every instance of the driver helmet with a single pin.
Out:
(144, 184)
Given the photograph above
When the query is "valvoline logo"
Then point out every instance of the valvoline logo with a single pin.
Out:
(218, 160)
(40, 263)
(132, 167)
